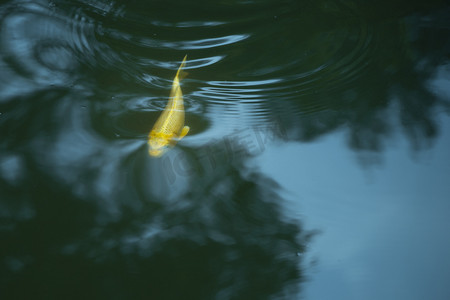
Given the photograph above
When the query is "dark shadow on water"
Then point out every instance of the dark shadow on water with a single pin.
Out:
(395, 93)
(224, 238)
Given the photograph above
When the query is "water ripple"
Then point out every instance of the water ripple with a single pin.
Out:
(40, 48)
(246, 64)
(188, 45)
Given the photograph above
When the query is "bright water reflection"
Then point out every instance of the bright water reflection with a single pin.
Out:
(82, 83)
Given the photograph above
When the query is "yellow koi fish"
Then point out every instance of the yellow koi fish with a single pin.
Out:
(169, 128)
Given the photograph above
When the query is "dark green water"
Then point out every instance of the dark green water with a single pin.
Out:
(317, 165)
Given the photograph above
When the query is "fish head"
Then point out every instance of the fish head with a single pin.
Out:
(158, 145)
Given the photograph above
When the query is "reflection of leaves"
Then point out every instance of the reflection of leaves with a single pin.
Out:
(226, 238)
(390, 88)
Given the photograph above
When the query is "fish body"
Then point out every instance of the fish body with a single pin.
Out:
(169, 128)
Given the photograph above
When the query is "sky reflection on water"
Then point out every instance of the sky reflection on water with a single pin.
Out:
(381, 226)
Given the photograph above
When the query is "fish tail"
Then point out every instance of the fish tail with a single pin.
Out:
(180, 73)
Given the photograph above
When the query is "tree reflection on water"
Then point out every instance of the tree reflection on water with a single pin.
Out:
(226, 237)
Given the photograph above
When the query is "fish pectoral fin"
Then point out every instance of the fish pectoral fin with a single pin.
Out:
(183, 133)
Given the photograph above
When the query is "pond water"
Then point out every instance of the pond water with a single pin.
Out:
(317, 163)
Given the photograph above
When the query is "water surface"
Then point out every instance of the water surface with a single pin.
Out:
(316, 167)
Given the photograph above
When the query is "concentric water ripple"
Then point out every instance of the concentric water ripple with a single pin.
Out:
(331, 58)
(279, 74)
(249, 64)
(41, 48)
